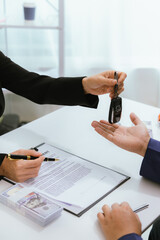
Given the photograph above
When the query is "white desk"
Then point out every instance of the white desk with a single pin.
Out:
(70, 128)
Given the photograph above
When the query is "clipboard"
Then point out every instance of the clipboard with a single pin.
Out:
(86, 183)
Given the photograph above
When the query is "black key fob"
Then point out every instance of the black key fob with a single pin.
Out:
(115, 110)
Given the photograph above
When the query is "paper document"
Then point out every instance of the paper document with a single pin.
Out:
(73, 182)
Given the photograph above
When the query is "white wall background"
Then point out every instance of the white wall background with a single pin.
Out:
(117, 34)
(99, 35)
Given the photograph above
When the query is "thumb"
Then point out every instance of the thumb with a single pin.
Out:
(135, 120)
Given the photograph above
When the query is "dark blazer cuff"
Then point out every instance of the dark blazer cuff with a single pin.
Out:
(151, 162)
(2, 156)
(74, 93)
(131, 236)
(91, 101)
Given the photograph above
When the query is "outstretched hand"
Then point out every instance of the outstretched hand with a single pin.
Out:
(134, 139)
(103, 83)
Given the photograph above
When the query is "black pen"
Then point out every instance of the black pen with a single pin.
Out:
(26, 157)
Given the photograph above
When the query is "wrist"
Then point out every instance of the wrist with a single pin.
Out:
(84, 84)
(144, 146)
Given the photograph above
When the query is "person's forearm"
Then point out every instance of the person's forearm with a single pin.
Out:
(44, 89)
(131, 236)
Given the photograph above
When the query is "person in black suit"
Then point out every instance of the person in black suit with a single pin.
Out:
(47, 90)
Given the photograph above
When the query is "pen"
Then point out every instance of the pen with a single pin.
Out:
(140, 208)
(25, 157)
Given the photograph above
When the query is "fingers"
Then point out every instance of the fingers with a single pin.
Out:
(108, 135)
(120, 90)
(105, 125)
(111, 132)
(21, 170)
(118, 221)
(102, 127)
(33, 163)
(105, 130)
(28, 166)
(111, 83)
(107, 81)
(106, 211)
(135, 120)
(121, 77)
(29, 163)
(125, 205)
(103, 83)
(101, 217)
(32, 173)
(115, 206)
(27, 152)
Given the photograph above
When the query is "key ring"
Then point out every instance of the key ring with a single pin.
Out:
(116, 86)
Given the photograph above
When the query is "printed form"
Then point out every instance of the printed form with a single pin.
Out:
(73, 182)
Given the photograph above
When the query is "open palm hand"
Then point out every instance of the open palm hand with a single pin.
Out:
(133, 139)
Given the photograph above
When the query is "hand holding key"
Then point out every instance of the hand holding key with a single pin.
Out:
(116, 105)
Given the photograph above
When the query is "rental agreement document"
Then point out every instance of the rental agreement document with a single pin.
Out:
(73, 182)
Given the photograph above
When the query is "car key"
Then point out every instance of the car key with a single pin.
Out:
(115, 105)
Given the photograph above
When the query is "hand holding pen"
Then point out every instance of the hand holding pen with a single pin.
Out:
(20, 171)
(119, 220)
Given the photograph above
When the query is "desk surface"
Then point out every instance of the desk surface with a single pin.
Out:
(70, 128)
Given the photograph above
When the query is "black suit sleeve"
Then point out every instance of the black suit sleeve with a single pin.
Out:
(2, 156)
(43, 89)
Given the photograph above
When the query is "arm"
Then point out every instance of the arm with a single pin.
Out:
(43, 89)
(63, 91)
(20, 170)
(46, 90)
(134, 139)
